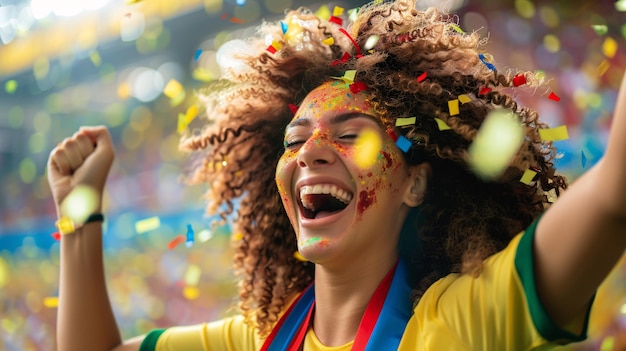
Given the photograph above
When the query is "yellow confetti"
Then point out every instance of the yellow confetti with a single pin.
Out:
(367, 148)
(277, 45)
(4, 272)
(337, 11)
(405, 121)
(173, 89)
(148, 224)
(497, 141)
(464, 99)
(554, 134)
(192, 275)
(609, 47)
(182, 123)
(442, 124)
(347, 77)
(603, 67)
(80, 203)
(453, 106)
(65, 225)
(528, 176)
(236, 236)
(456, 28)
(323, 12)
(124, 90)
(329, 41)
(51, 302)
(191, 292)
(299, 257)
(95, 58)
(607, 344)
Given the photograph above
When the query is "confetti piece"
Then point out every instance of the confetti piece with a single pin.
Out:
(293, 108)
(240, 2)
(453, 107)
(484, 61)
(338, 11)
(400, 122)
(192, 275)
(10, 86)
(51, 302)
(603, 67)
(197, 55)
(299, 257)
(554, 134)
(367, 148)
(356, 46)
(609, 47)
(205, 235)
(484, 90)
(442, 124)
(456, 28)
(403, 143)
(422, 77)
(284, 27)
(371, 42)
(173, 89)
(148, 224)
(600, 29)
(583, 158)
(95, 58)
(191, 292)
(608, 344)
(190, 236)
(496, 143)
(358, 87)
(336, 20)
(392, 135)
(80, 203)
(464, 99)
(329, 41)
(56, 236)
(347, 77)
(236, 236)
(182, 123)
(519, 79)
(554, 97)
(323, 12)
(178, 239)
(275, 46)
(271, 49)
(528, 176)
(191, 114)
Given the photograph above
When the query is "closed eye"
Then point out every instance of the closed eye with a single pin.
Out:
(292, 144)
(348, 136)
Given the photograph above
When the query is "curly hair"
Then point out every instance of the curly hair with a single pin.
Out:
(463, 219)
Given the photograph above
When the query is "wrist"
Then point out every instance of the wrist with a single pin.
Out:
(65, 225)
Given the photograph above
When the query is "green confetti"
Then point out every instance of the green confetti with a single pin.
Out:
(10, 86)
(600, 29)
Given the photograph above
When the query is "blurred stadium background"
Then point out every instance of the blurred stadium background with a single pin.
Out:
(67, 63)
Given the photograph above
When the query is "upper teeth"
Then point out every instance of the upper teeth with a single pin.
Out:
(331, 189)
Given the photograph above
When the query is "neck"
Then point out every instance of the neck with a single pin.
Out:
(342, 295)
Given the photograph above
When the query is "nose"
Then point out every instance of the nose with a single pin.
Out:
(316, 151)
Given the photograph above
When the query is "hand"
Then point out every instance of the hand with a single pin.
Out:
(83, 159)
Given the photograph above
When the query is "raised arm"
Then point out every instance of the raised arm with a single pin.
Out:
(85, 320)
(583, 235)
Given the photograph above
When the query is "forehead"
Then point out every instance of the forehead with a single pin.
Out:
(331, 98)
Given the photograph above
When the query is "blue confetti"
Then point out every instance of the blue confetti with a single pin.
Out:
(190, 236)
(584, 158)
(284, 26)
(197, 55)
(240, 2)
(483, 60)
(403, 143)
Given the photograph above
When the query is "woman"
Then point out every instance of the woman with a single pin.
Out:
(405, 249)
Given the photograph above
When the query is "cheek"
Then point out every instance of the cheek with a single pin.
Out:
(381, 177)
(284, 171)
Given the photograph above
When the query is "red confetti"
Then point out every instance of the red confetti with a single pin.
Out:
(554, 97)
(343, 59)
(358, 49)
(271, 49)
(392, 135)
(335, 19)
(293, 108)
(56, 236)
(177, 240)
(484, 91)
(224, 16)
(358, 87)
(422, 77)
(518, 80)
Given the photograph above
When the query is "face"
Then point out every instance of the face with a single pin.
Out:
(341, 178)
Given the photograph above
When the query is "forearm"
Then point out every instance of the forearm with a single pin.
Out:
(613, 165)
(85, 319)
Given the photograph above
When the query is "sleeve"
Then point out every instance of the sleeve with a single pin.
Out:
(499, 308)
(230, 334)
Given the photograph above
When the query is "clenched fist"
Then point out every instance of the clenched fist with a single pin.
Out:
(84, 159)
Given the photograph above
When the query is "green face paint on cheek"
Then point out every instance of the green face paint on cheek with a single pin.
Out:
(322, 242)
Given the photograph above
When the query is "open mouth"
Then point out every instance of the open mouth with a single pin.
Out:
(322, 200)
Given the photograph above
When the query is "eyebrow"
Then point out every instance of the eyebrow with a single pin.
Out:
(338, 119)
